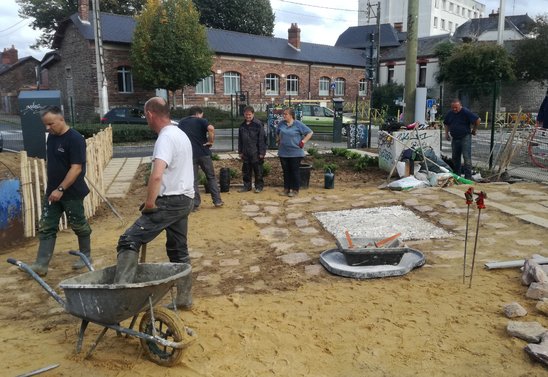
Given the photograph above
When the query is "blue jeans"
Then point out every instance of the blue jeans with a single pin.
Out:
(206, 164)
(292, 175)
(171, 216)
(462, 147)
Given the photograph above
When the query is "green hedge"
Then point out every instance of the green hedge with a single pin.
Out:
(121, 133)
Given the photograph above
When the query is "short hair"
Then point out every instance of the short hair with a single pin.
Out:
(56, 110)
(195, 110)
(455, 100)
(290, 111)
(157, 105)
(250, 109)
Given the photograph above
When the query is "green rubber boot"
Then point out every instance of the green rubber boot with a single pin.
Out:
(45, 252)
(84, 243)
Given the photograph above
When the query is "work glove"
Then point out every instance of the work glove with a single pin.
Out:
(301, 144)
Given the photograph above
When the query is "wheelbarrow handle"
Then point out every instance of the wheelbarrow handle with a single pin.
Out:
(35, 276)
(83, 257)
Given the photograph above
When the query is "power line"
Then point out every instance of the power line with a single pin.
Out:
(320, 6)
(309, 15)
(14, 25)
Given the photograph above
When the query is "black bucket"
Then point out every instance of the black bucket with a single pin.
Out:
(224, 179)
(304, 171)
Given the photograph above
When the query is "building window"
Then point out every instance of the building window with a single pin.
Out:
(435, 22)
(231, 82)
(437, 4)
(324, 86)
(451, 7)
(444, 5)
(362, 90)
(339, 86)
(450, 26)
(442, 24)
(206, 86)
(125, 80)
(272, 84)
(292, 85)
(390, 75)
(422, 75)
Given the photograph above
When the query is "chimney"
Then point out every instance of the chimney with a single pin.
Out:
(398, 26)
(294, 37)
(83, 10)
(10, 56)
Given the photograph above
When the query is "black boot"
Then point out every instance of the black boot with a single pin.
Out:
(126, 267)
(85, 248)
(183, 300)
(45, 251)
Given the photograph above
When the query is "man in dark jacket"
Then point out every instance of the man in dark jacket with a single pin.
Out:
(252, 149)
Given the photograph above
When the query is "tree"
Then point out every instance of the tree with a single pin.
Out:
(384, 97)
(170, 48)
(472, 65)
(48, 14)
(530, 54)
(246, 16)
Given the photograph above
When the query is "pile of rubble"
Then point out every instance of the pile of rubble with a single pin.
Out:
(535, 276)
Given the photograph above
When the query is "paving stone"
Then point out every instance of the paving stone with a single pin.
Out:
(229, 262)
(506, 232)
(535, 220)
(309, 230)
(496, 225)
(424, 208)
(267, 203)
(300, 200)
(251, 208)
(313, 270)
(302, 222)
(294, 215)
(459, 210)
(447, 222)
(528, 242)
(411, 202)
(433, 214)
(254, 269)
(317, 241)
(294, 258)
(204, 278)
(499, 196)
(272, 210)
(485, 241)
(262, 219)
(195, 254)
(282, 246)
(388, 201)
(207, 263)
(449, 204)
(280, 222)
(274, 233)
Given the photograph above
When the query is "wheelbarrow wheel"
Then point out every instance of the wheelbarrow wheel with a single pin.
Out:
(167, 326)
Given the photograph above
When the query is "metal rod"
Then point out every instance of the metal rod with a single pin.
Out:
(475, 246)
(465, 243)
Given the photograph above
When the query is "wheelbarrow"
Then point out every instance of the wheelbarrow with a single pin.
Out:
(94, 297)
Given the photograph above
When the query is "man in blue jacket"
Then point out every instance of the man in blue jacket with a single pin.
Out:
(460, 124)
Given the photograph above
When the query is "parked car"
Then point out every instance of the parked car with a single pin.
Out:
(124, 115)
(320, 118)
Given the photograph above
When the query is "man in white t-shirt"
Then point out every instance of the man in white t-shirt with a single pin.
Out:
(169, 201)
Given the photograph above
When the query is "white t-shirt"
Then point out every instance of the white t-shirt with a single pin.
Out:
(173, 147)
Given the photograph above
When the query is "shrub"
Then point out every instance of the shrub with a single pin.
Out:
(330, 167)
(215, 157)
(234, 173)
(266, 168)
(365, 161)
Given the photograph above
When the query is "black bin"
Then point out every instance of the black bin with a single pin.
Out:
(224, 179)
(304, 171)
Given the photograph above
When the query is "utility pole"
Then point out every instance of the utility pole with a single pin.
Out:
(99, 59)
(372, 65)
(411, 61)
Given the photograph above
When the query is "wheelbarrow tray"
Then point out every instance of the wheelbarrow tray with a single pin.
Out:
(94, 297)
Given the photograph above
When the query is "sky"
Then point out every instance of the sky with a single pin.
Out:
(320, 21)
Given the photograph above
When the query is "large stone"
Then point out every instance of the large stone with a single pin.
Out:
(542, 306)
(539, 352)
(513, 310)
(537, 291)
(533, 273)
(294, 258)
(529, 331)
(272, 233)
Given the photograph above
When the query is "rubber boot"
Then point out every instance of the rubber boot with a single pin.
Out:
(183, 300)
(45, 252)
(126, 267)
(85, 248)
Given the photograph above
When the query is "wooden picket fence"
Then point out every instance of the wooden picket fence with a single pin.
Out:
(34, 181)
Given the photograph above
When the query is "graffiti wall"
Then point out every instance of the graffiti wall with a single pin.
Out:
(391, 146)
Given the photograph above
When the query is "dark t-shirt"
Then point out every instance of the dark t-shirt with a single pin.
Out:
(196, 130)
(459, 123)
(543, 113)
(63, 151)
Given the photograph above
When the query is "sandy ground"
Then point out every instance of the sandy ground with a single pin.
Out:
(256, 315)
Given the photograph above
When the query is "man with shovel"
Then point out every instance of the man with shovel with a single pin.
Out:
(169, 201)
(461, 123)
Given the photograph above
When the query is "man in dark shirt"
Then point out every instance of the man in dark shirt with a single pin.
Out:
(461, 123)
(543, 113)
(202, 136)
(65, 191)
(252, 149)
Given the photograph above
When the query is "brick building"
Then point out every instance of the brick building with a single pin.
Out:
(268, 70)
(15, 75)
